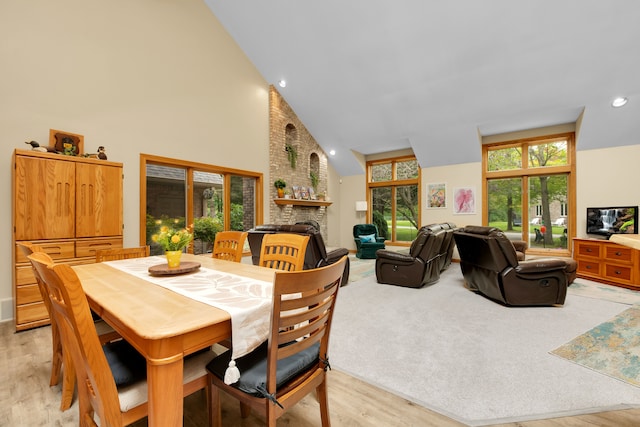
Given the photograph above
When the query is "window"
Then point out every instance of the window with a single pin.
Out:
(393, 187)
(212, 198)
(531, 196)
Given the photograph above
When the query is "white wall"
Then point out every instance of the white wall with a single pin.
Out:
(353, 188)
(606, 177)
(456, 176)
(143, 76)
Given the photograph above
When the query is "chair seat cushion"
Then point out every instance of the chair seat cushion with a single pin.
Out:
(253, 368)
(127, 365)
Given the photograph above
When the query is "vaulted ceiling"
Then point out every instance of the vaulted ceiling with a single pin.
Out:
(372, 76)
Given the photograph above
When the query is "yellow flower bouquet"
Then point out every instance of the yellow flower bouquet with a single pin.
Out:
(172, 239)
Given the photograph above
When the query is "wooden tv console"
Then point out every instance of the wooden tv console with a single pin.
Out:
(607, 262)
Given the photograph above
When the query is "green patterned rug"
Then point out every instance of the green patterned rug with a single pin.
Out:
(360, 268)
(611, 348)
(363, 268)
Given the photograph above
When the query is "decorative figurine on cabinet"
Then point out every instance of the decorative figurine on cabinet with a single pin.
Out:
(101, 153)
(68, 148)
(35, 146)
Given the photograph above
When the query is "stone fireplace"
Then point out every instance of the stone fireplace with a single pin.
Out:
(295, 157)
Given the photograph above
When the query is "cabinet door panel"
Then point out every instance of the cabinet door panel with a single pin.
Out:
(44, 199)
(98, 200)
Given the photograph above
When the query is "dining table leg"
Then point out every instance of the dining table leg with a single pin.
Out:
(164, 382)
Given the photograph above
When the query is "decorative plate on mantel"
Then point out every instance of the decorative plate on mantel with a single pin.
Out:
(164, 270)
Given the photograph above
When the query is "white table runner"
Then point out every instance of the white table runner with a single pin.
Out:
(248, 301)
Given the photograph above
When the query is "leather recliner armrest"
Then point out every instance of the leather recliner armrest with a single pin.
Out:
(336, 254)
(383, 255)
(540, 265)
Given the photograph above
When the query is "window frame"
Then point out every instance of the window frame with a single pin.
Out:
(526, 172)
(190, 167)
(393, 183)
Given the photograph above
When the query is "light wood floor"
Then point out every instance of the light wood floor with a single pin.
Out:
(27, 400)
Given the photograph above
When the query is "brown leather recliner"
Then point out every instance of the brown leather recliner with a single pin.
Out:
(420, 267)
(490, 266)
(446, 250)
(316, 254)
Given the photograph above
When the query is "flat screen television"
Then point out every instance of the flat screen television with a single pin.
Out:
(612, 220)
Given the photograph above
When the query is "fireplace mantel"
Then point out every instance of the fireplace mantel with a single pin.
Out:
(300, 202)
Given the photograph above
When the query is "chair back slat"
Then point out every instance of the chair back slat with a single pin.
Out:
(303, 305)
(229, 245)
(301, 315)
(283, 251)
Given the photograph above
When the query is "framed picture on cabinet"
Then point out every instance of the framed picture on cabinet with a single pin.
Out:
(68, 143)
(437, 196)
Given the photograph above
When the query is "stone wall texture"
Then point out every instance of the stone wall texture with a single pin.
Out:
(286, 129)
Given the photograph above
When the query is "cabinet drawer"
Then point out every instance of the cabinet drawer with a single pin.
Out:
(588, 249)
(28, 294)
(618, 273)
(588, 268)
(88, 248)
(31, 313)
(618, 253)
(24, 275)
(56, 250)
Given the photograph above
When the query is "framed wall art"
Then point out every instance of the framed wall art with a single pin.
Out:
(436, 196)
(464, 200)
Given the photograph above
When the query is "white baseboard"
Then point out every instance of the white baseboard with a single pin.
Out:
(6, 310)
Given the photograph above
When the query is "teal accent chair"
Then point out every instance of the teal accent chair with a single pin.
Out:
(367, 240)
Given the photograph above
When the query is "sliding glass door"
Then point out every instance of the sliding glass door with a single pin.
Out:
(206, 197)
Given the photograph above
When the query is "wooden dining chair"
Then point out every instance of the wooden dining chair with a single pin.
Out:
(115, 254)
(111, 378)
(121, 253)
(58, 355)
(59, 358)
(229, 245)
(294, 360)
(283, 251)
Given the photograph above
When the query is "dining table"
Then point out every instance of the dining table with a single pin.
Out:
(163, 325)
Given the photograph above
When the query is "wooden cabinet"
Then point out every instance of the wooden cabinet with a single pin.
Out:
(607, 262)
(69, 206)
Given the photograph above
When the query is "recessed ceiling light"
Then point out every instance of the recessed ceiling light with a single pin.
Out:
(282, 83)
(619, 102)
(332, 152)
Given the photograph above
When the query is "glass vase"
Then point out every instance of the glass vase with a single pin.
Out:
(173, 258)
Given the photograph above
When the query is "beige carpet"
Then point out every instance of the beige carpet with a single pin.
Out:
(455, 352)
